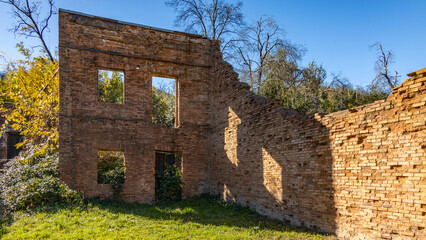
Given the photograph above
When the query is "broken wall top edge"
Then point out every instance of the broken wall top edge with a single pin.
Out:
(131, 24)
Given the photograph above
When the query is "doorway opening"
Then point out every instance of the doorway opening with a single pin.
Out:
(168, 183)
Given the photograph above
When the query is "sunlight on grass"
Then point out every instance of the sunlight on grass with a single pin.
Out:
(200, 218)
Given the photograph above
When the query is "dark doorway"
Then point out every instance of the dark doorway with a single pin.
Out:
(167, 176)
(12, 138)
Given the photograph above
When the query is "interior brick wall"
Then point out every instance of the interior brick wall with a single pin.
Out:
(358, 173)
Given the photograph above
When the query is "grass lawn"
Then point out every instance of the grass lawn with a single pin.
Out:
(198, 218)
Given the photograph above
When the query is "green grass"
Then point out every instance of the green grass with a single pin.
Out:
(198, 218)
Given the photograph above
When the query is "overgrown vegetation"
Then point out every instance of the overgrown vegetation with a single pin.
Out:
(32, 86)
(32, 181)
(305, 88)
(111, 169)
(199, 218)
(169, 181)
(163, 107)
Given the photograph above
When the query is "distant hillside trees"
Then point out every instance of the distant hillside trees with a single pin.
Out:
(305, 88)
(270, 63)
(163, 106)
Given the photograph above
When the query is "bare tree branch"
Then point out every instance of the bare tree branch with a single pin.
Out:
(382, 67)
(215, 19)
(258, 42)
(28, 20)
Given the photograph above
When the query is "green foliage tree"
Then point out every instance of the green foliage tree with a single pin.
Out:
(304, 89)
(169, 180)
(163, 107)
(296, 88)
(111, 86)
(111, 169)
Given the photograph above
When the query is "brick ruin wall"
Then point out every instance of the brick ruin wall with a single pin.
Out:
(88, 43)
(359, 173)
(3, 147)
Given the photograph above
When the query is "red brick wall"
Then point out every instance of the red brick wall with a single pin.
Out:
(359, 173)
(87, 43)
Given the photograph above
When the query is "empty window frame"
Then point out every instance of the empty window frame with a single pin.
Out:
(110, 86)
(111, 168)
(164, 101)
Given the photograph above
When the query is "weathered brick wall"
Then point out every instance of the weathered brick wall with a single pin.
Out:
(359, 173)
(87, 43)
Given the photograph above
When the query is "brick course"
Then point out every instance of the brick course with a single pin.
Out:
(358, 173)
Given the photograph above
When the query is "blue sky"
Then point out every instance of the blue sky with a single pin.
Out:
(336, 33)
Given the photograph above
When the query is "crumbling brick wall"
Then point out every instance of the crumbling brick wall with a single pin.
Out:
(359, 173)
(87, 43)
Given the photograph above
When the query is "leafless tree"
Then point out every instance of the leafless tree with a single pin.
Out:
(384, 75)
(30, 23)
(255, 46)
(214, 19)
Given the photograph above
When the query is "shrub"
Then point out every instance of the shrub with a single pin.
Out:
(111, 169)
(31, 180)
(169, 183)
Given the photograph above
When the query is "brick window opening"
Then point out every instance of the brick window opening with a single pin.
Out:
(13, 138)
(110, 86)
(164, 101)
(168, 184)
(111, 168)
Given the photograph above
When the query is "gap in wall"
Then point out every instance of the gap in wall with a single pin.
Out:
(111, 168)
(164, 110)
(168, 184)
(111, 86)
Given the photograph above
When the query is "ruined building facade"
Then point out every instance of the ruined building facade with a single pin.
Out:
(358, 173)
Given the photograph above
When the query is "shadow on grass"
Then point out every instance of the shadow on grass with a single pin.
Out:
(206, 210)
